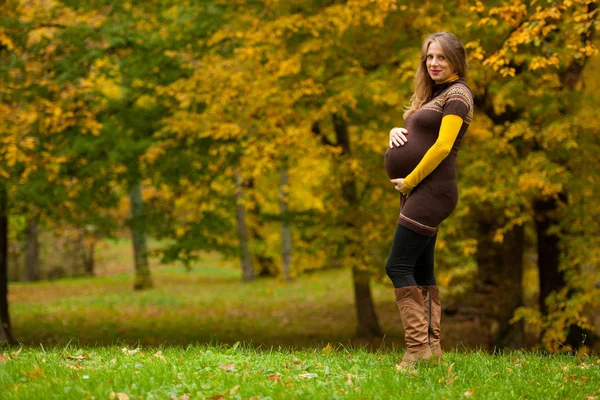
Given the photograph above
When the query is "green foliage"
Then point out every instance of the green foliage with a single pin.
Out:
(100, 96)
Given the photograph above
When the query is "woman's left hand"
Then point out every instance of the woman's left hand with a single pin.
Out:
(399, 186)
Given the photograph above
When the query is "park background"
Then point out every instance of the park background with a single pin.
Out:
(197, 171)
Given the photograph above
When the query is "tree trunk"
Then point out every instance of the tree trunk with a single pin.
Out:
(90, 258)
(247, 268)
(497, 290)
(286, 232)
(5, 328)
(143, 279)
(500, 276)
(552, 279)
(262, 261)
(368, 324)
(32, 252)
(86, 253)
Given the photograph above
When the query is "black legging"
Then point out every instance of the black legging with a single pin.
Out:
(411, 259)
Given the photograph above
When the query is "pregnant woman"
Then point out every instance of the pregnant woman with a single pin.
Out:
(421, 162)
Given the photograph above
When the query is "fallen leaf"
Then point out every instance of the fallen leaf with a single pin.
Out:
(75, 357)
(584, 379)
(215, 397)
(308, 376)
(37, 372)
(125, 350)
(327, 350)
(234, 389)
(118, 396)
(451, 375)
(228, 367)
(160, 356)
(468, 393)
(4, 358)
(349, 381)
(406, 369)
(16, 353)
(274, 377)
(73, 366)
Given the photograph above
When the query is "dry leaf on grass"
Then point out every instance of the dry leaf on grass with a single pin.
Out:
(451, 377)
(327, 350)
(308, 376)
(118, 396)
(125, 350)
(227, 367)
(349, 381)
(82, 357)
(468, 393)
(4, 358)
(160, 356)
(274, 377)
(72, 366)
(37, 372)
(15, 354)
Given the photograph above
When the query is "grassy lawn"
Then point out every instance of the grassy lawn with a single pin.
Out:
(248, 372)
(207, 304)
(85, 338)
(204, 305)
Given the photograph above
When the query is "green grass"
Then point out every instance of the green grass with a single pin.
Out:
(208, 303)
(247, 372)
(84, 338)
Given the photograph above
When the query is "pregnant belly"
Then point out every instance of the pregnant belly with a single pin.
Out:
(400, 161)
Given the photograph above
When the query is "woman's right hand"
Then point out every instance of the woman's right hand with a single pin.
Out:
(398, 137)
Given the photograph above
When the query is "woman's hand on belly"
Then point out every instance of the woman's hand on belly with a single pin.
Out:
(399, 186)
(398, 137)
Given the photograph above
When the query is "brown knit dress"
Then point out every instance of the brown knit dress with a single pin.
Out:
(434, 199)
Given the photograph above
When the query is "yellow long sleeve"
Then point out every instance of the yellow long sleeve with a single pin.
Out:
(449, 130)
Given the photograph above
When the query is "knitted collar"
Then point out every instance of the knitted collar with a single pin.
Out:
(438, 87)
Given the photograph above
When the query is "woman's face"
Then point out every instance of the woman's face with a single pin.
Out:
(438, 67)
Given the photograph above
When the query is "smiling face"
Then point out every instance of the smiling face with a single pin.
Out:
(438, 67)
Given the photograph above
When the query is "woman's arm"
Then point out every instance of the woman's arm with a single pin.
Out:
(449, 130)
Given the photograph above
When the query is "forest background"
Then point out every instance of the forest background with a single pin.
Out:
(256, 130)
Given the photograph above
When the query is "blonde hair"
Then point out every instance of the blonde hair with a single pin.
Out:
(457, 57)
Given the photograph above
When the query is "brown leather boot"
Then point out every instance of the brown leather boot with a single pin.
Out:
(414, 321)
(433, 307)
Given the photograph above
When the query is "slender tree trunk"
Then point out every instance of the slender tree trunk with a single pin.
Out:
(247, 268)
(5, 328)
(90, 258)
(552, 279)
(286, 231)
(499, 285)
(497, 290)
(86, 253)
(368, 324)
(262, 262)
(32, 252)
(143, 279)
